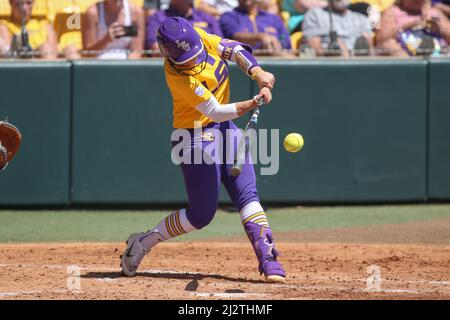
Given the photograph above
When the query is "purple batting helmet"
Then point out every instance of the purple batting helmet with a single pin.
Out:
(178, 40)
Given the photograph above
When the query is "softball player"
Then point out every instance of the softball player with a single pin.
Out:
(197, 76)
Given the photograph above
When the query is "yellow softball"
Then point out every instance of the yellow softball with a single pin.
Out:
(293, 142)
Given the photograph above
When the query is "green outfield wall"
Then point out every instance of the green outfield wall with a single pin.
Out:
(364, 125)
(439, 130)
(99, 132)
(37, 98)
(122, 118)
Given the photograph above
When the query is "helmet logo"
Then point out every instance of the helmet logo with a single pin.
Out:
(183, 45)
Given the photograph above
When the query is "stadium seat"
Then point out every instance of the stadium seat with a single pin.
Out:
(56, 6)
(84, 4)
(70, 38)
(68, 33)
(296, 39)
(63, 10)
(138, 3)
(5, 8)
(285, 17)
(40, 8)
(196, 3)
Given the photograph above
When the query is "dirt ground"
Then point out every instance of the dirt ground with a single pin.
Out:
(219, 270)
(401, 261)
(431, 232)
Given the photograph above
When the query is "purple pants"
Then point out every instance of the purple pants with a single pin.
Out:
(203, 180)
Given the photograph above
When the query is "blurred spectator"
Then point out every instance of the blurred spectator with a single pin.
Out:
(443, 5)
(351, 30)
(39, 37)
(413, 27)
(262, 30)
(372, 9)
(297, 10)
(217, 7)
(185, 9)
(106, 26)
(151, 6)
(4, 45)
(270, 6)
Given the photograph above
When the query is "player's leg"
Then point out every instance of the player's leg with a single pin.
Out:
(243, 193)
(202, 183)
(139, 244)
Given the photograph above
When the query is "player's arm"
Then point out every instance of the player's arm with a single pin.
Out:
(241, 54)
(224, 112)
(199, 97)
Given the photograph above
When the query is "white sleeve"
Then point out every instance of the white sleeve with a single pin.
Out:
(217, 112)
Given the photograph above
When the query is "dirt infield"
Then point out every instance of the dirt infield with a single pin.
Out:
(218, 270)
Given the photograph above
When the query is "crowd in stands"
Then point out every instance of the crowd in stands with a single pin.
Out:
(126, 29)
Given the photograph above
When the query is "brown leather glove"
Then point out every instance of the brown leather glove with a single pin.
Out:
(10, 139)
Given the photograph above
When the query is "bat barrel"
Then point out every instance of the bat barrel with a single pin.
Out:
(239, 160)
(244, 146)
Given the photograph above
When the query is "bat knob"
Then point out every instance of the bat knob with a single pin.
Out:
(235, 171)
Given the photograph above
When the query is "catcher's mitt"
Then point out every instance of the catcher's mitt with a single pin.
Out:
(10, 139)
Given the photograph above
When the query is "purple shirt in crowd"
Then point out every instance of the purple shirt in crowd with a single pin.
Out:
(447, 2)
(197, 19)
(238, 20)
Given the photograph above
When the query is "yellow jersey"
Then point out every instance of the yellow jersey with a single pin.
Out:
(37, 31)
(190, 91)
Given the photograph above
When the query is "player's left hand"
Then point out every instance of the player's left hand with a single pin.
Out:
(266, 94)
(264, 78)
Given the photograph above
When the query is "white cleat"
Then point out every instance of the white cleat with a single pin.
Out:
(275, 279)
(133, 255)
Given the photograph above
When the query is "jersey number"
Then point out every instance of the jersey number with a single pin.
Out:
(221, 72)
